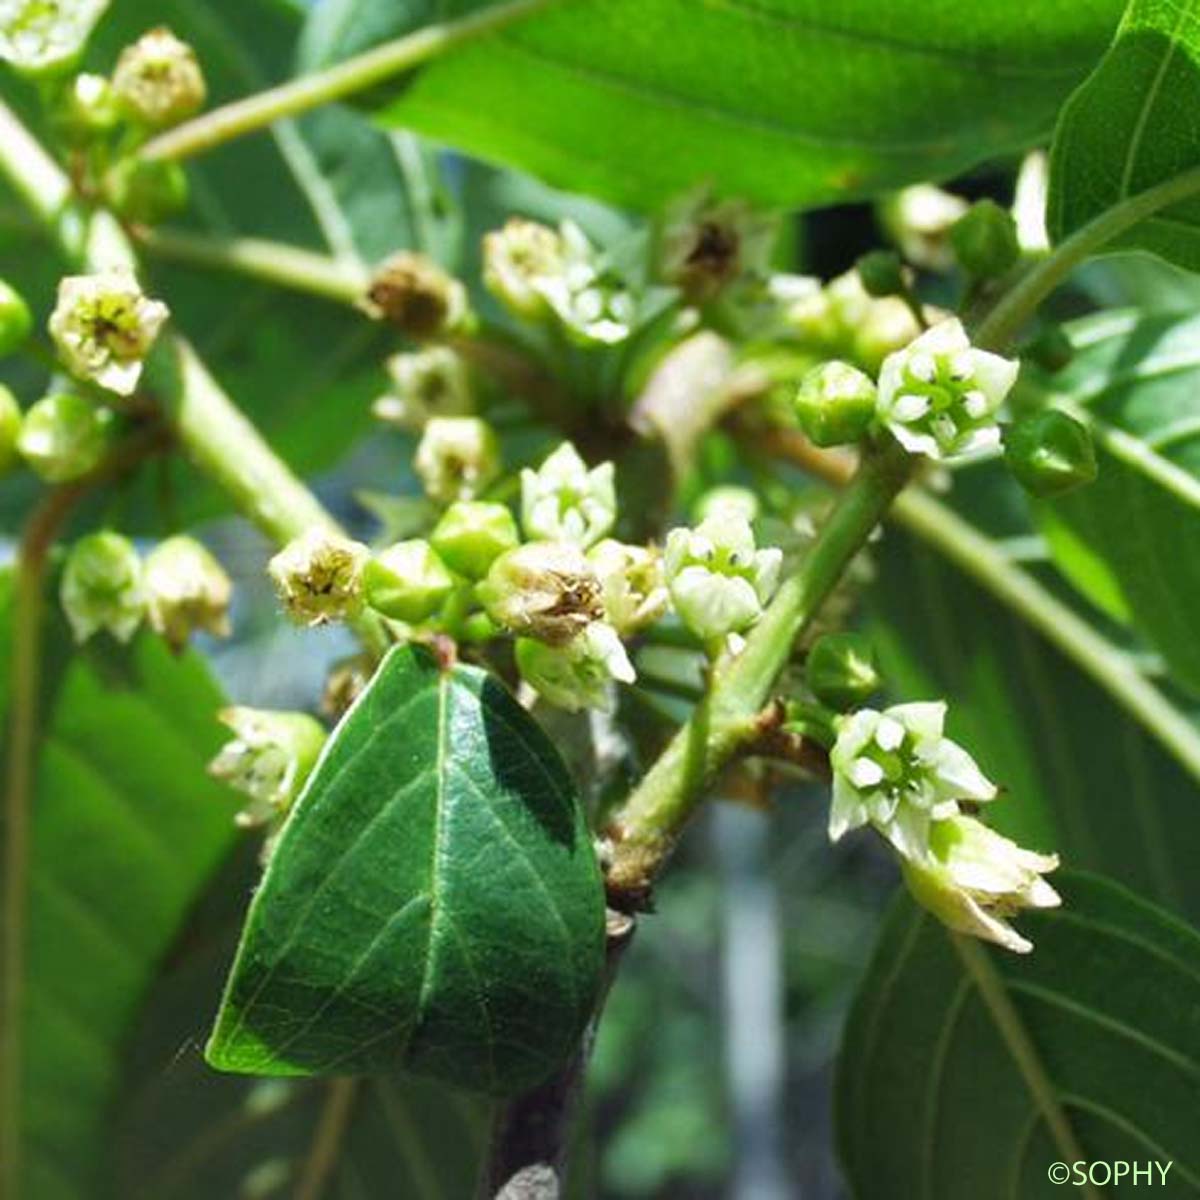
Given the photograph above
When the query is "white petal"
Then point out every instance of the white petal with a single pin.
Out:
(923, 718)
(914, 442)
(946, 337)
(994, 375)
(958, 770)
(846, 811)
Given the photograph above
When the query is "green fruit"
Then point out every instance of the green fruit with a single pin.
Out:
(1050, 453)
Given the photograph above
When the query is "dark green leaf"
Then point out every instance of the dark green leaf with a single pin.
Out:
(433, 902)
(786, 102)
(1131, 540)
(126, 828)
(1121, 132)
(961, 1062)
(1080, 777)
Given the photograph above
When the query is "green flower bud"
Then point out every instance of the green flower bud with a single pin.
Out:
(835, 404)
(103, 327)
(866, 329)
(319, 576)
(579, 674)
(727, 498)
(707, 244)
(158, 81)
(841, 670)
(1050, 453)
(457, 458)
(543, 590)
(269, 759)
(102, 587)
(146, 190)
(10, 429)
(896, 771)
(46, 36)
(15, 319)
(719, 581)
(411, 292)
(432, 382)
(919, 219)
(64, 436)
(632, 584)
(520, 263)
(472, 534)
(985, 240)
(564, 501)
(939, 395)
(974, 879)
(882, 273)
(186, 590)
(407, 581)
(88, 107)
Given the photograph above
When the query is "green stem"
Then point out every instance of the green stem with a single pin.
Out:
(644, 828)
(1018, 304)
(334, 83)
(272, 262)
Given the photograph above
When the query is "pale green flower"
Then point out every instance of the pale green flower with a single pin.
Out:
(939, 395)
(319, 576)
(632, 583)
(46, 35)
(520, 262)
(269, 759)
(102, 587)
(973, 879)
(103, 326)
(158, 79)
(896, 771)
(579, 674)
(718, 579)
(427, 383)
(186, 590)
(457, 457)
(563, 501)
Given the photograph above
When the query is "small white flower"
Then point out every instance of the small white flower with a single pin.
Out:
(895, 770)
(102, 587)
(457, 458)
(42, 35)
(519, 261)
(718, 579)
(319, 576)
(579, 674)
(973, 879)
(632, 581)
(589, 299)
(427, 383)
(158, 79)
(939, 395)
(563, 501)
(103, 327)
(186, 590)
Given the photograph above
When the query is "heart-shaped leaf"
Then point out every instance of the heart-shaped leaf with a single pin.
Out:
(433, 902)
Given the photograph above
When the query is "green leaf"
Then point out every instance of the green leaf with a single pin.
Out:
(961, 1062)
(126, 828)
(785, 102)
(1121, 132)
(1131, 540)
(1079, 776)
(433, 902)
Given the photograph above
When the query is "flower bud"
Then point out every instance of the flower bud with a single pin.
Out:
(37, 37)
(727, 498)
(146, 190)
(632, 584)
(562, 501)
(835, 404)
(707, 244)
(939, 395)
(542, 590)
(896, 771)
(10, 428)
(472, 534)
(407, 581)
(411, 292)
(457, 458)
(102, 587)
(427, 383)
(1050, 453)
(64, 436)
(269, 759)
(186, 590)
(718, 580)
(580, 673)
(158, 81)
(985, 240)
(88, 107)
(882, 273)
(520, 263)
(974, 879)
(841, 670)
(919, 219)
(861, 327)
(15, 319)
(103, 327)
(319, 576)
